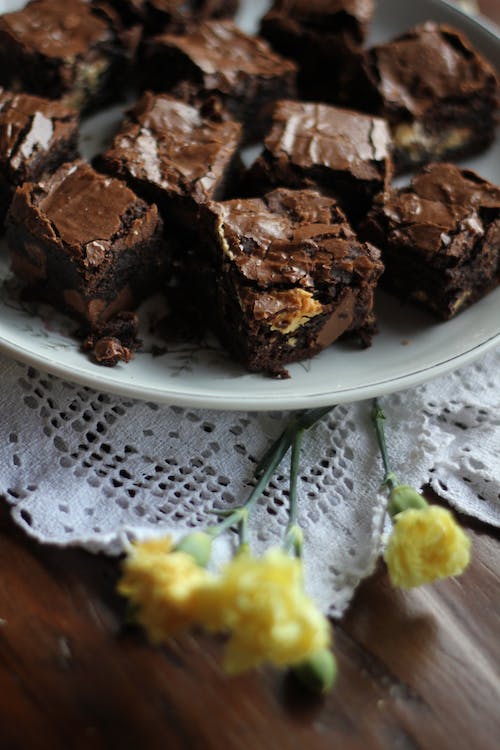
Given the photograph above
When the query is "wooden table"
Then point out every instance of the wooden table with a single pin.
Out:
(418, 670)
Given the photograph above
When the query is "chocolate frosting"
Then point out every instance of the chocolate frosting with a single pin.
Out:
(310, 135)
(83, 212)
(223, 55)
(291, 238)
(56, 28)
(443, 211)
(168, 144)
(429, 63)
(29, 127)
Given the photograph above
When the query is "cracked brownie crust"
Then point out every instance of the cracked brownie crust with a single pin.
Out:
(440, 238)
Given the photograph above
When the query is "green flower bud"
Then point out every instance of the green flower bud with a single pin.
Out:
(404, 497)
(295, 540)
(198, 545)
(318, 673)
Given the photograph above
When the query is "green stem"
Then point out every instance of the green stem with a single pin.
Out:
(378, 419)
(291, 436)
(301, 421)
(293, 536)
(294, 471)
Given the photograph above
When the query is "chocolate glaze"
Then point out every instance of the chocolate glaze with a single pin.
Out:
(86, 244)
(290, 238)
(289, 277)
(438, 93)
(223, 55)
(440, 213)
(69, 49)
(216, 65)
(167, 146)
(83, 211)
(440, 238)
(316, 135)
(428, 64)
(31, 128)
(316, 144)
(58, 29)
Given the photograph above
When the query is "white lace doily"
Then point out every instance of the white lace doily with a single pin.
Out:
(85, 468)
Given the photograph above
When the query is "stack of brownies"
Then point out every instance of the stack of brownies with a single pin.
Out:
(279, 259)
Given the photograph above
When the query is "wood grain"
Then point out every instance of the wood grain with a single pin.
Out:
(417, 670)
(491, 9)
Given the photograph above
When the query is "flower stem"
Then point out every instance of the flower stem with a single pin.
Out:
(291, 436)
(301, 421)
(293, 536)
(378, 418)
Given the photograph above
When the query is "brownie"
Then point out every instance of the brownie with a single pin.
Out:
(218, 65)
(289, 277)
(162, 13)
(36, 135)
(85, 243)
(340, 152)
(170, 154)
(440, 238)
(61, 49)
(214, 8)
(439, 95)
(324, 37)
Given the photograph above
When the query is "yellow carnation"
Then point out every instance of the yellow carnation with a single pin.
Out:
(262, 604)
(162, 586)
(425, 544)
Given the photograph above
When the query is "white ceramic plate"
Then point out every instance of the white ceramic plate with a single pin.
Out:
(410, 348)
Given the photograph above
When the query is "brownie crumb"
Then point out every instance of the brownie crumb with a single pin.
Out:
(114, 341)
(108, 351)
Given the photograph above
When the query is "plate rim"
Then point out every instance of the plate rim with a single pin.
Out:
(253, 403)
(263, 402)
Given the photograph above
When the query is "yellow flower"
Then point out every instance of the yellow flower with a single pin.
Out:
(162, 585)
(262, 604)
(425, 544)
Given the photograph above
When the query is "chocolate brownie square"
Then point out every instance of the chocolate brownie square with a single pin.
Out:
(440, 238)
(61, 49)
(218, 63)
(324, 37)
(170, 154)
(36, 135)
(85, 243)
(438, 93)
(163, 13)
(213, 8)
(340, 152)
(290, 277)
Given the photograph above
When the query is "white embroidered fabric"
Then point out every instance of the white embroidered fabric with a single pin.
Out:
(85, 468)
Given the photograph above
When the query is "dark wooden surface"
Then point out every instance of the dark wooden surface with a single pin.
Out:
(491, 9)
(418, 670)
